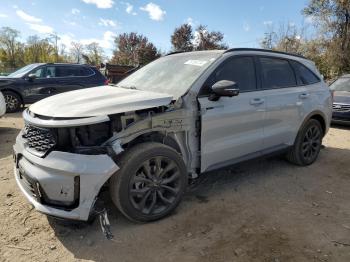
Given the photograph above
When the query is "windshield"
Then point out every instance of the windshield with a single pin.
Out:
(22, 71)
(173, 74)
(341, 84)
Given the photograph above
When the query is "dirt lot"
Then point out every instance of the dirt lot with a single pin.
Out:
(263, 210)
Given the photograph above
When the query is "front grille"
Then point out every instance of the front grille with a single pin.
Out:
(341, 108)
(39, 139)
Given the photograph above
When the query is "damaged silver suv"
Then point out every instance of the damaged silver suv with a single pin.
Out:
(177, 117)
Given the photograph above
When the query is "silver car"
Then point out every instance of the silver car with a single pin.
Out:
(2, 105)
(181, 115)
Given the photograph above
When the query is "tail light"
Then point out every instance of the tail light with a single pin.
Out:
(106, 82)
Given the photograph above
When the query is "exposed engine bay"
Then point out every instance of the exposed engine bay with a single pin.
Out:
(163, 124)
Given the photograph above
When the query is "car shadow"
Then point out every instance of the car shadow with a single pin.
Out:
(86, 241)
(7, 138)
(343, 127)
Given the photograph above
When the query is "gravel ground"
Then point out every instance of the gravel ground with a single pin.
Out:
(262, 210)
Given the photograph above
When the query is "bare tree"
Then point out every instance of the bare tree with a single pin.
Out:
(94, 53)
(77, 50)
(9, 45)
(208, 40)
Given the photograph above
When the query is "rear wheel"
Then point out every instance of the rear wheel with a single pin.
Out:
(307, 145)
(150, 183)
(13, 101)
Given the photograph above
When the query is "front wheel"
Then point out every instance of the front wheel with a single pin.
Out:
(13, 101)
(307, 145)
(150, 183)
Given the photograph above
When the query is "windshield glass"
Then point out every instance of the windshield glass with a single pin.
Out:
(22, 71)
(341, 84)
(173, 74)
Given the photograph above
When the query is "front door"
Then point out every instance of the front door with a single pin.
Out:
(232, 127)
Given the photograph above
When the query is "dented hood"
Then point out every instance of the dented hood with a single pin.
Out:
(97, 101)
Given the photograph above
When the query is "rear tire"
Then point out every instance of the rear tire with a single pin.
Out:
(150, 183)
(13, 101)
(307, 145)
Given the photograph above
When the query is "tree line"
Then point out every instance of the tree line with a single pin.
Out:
(328, 45)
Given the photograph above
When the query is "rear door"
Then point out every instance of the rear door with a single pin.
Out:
(69, 78)
(285, 101)
(232, 127)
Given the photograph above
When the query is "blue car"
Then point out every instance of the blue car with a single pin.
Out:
(341, 100)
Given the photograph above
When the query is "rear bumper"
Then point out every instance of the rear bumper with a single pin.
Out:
(62, 184)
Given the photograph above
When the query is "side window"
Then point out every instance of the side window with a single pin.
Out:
(85, 71)
(304, 75)
(63, 71)
(237, 69)
(39, 72)
(276, 73)
(50, 71)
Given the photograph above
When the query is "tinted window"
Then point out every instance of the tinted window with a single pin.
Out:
(276, 73)
(50, 71)
(39, 72)
(239, 69)
(304, 75)
(69, 71)
(85, 71)
(64, 71)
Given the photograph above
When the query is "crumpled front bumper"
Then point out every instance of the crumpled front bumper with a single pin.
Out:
(61, 184)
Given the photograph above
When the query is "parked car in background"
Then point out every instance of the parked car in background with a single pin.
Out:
(37, 81)
(341, 100)
(173, 119)
(2, 105)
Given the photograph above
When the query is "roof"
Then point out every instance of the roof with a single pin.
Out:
(241, 49)
(263, 50)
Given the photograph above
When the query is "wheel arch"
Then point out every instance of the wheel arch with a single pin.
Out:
(319, 116)
(156, 136)
(13, 91)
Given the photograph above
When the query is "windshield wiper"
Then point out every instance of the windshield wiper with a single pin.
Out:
(128, 87)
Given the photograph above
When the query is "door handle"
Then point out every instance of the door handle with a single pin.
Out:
(257, 101)
(304, 96)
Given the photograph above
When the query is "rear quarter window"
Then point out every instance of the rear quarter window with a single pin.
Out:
(304, 75)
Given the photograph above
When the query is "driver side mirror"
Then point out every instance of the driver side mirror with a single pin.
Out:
(224, 88)
(31, 77)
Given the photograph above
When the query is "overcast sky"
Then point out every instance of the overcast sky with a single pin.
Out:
(242, 22)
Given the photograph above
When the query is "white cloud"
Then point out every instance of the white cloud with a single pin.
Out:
(43, 29)
(108, 22)
(72, 23)
(130, 9)
(246, 27)
(154, 11)
(106, 42)
(103, 4)
(268, 23)
(3, 15)
(28, 18)
(15, 6)
(75, 11)
(189, 21)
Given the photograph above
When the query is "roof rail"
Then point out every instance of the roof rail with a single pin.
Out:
(263, 50)
(176, 52)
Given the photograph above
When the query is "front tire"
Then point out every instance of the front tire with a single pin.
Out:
(150, 183)
(13, 101)
(307, 145)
